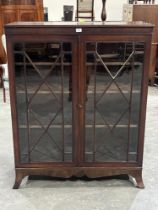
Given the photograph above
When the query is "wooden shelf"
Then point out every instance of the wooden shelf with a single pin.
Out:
(115, 63)
(112, 63)
(43, 64)
(70, 126)
(67, 92)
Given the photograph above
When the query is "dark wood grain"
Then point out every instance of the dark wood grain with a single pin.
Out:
(19, 10)
(103, 13)
(143, 13)
(91, 32)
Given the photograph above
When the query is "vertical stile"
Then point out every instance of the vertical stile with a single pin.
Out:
(130, 102)
(27, 101)
(62, 99)
(94, 114)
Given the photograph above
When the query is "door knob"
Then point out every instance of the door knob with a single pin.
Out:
(80, 106)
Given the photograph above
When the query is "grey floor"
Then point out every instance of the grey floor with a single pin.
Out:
(76, 195)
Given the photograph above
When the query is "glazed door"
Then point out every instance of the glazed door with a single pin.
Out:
(45, 85)
(113, 72)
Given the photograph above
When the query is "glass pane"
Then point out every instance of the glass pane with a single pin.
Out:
(43, 73)
(113, 91)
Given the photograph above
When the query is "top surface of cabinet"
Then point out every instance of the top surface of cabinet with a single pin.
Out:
(84, 24)
(84, 28)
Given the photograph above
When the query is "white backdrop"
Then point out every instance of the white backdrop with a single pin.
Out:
(114, 8)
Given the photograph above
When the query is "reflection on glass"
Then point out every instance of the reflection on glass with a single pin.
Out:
(113, 91)
(44, 100)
